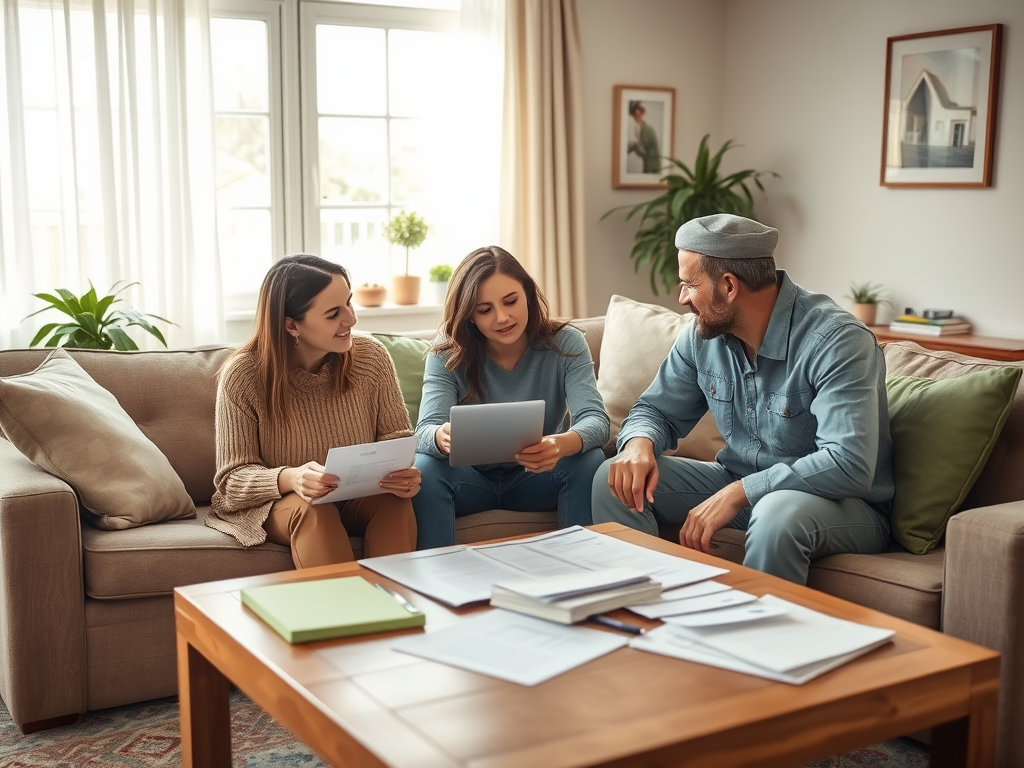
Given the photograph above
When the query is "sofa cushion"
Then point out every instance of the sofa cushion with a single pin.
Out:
(942, 433)
(1001, 480)
(153, 560)
(409, 355)
(637, 338)
(70, 426)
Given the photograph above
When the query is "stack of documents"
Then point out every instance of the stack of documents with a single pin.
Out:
(572, 597)
(769, 637)
(302, 611)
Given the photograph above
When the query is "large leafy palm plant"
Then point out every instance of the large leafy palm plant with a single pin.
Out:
(90, 326)
(691, 194)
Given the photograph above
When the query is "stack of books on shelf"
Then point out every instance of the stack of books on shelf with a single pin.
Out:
(568, 598)
(928, 326)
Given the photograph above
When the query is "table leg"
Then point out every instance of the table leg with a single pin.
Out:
(203, 694)
(969, 742)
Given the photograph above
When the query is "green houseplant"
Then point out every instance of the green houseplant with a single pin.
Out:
(409, 230)
(691, 193)
(866, 297)
(91, 325)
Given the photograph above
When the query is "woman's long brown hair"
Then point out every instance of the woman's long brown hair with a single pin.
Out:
(462, 344)
(288, 291)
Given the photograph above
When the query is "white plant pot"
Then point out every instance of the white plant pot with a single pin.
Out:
(436, 293)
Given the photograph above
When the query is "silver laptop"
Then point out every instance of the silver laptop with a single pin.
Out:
(493, 433)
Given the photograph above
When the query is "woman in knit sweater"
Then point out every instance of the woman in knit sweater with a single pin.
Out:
(301, 385)
(499, 344)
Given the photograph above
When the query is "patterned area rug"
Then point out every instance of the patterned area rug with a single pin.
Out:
(147, 734)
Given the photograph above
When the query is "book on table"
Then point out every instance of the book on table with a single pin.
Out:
(932, 328)
(302, 611)
(569, 598)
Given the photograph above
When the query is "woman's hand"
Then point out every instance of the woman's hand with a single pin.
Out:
(405, 483)
(443, 438)
(309, 481)
(542, 456)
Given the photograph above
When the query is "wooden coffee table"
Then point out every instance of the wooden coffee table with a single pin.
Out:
(357, 703)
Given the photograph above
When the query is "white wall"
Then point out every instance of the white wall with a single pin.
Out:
(676, 43)
(804, 90)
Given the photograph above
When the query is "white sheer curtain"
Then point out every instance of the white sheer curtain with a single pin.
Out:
(542, 171)
(107, 162)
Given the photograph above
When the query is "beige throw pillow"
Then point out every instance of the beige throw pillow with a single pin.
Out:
(637, 338)
(70, 426)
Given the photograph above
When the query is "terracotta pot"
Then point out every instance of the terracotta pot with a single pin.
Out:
(369, 295)
(405, 289)
(866, 313)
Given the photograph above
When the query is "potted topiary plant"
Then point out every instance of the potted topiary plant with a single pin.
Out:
(408, 230)
(866, 297)
(90, 326)
(690, 195)
(438, 276)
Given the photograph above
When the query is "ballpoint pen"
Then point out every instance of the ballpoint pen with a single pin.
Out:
(401, 600)
(605, 621)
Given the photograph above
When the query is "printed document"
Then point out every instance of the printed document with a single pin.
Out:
(460, 575)
(360, 468)
(511, 646)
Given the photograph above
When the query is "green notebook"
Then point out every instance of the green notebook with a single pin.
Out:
(318, 610)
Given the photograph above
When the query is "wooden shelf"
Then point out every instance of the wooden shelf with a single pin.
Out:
(1008, 350)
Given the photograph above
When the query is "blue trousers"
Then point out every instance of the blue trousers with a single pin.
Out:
(785, 529)
(449, 492)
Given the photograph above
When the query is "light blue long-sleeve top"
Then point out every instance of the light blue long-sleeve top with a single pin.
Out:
(809, 413)
(565, 382)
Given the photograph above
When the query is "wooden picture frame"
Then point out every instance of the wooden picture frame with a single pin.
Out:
(941, 94)
(644, 126)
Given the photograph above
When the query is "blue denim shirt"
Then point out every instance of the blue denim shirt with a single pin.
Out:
(809, 413)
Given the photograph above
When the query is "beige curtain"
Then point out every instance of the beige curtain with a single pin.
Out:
(542, 149)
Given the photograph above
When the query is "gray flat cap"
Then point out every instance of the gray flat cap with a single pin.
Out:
(726, 236)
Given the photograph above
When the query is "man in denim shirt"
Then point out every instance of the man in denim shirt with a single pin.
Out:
(796, 386)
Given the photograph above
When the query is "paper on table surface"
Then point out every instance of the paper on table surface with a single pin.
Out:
(693, 604)
(747, 612)
(360, 468)
(511, 646)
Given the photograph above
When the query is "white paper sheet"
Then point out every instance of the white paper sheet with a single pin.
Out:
(754, 611)
(511, 646)
(360, 468)
(693, 604)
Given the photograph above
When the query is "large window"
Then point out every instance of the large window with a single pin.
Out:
(319, 144)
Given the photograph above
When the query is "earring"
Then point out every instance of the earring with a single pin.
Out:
(296, 342)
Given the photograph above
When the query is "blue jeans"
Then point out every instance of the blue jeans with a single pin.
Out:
(785, 529)
(449, 492)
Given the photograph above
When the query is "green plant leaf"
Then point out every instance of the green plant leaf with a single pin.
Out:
(121, 340)
(70, 300)
(41, 334)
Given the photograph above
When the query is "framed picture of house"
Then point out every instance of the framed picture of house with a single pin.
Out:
(941, 92)
(643, 121)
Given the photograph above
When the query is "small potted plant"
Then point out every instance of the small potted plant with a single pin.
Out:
(408, 230)
(438, 277)
(866, 297)
(89, 324)
(369, 294)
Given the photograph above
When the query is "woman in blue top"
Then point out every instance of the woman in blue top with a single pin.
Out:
(499, 344)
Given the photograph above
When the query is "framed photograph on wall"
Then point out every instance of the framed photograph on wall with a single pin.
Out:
(644, 121)
(941, 92)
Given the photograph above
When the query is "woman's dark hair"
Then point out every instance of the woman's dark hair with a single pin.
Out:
(462, 345)
(288, 291)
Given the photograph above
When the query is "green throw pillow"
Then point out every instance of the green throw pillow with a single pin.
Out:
(410, 356)
(942, 432)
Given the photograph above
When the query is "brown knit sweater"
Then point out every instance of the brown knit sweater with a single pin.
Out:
(252, 451)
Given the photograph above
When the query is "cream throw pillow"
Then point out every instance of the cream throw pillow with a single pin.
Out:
(73, 428)
(637, 338)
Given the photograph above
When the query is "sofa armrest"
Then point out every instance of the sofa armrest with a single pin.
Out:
(982, 597)
(42, 597)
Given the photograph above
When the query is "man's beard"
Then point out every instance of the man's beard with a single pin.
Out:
(716, 320)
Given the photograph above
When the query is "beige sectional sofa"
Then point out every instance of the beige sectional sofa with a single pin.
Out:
(86, 618)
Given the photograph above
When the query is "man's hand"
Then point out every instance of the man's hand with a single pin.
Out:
(711, 515)
(633, 474)
(542, 456)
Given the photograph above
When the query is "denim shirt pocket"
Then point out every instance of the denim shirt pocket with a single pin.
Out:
(791, 426)
(719, 393)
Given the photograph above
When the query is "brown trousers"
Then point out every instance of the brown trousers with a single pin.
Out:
(318, 534)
